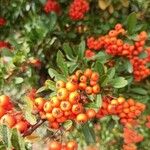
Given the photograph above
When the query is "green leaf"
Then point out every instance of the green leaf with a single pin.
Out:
(73, 67)
(68, 51)
(81, 49)
(119, 82)
(131, 22)
(41, 89)
(18, 80)
(17, 140)
(28, 109)
(68, 124)
(54, 74)
(128, 66)
(53, 19)
(139, 90)
(2, 146)
(99, 67)
(88, 133)
(50, 85)
(62, 63)
(5, 134)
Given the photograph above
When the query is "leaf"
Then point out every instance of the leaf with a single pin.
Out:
(54, 74)
(68, 51)
(81, 49)
(28, 111)
(5, 132)
(131, 22)
(73, 67)
(139, 90)
(67, 125)
(62, 63)
(88, 133)
(128, 66)
(119, 82)
(103, 4)
(53, 19)
(41, 89)
(17, 140)
(2, 146)
(18, 80)
(50, 85)
(99, 67)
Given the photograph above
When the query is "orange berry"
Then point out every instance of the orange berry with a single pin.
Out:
(131, 115)
(42, 115)
(137, 112)
(55, 102)
(62, 94)
(82, 86)
(67, 113)
(54, 145)
(126, 110)
(121, 100)
(131, 102)
(118, 26)
(2, 111)
(54, 125)
(92, 82)
(114, 102)
(60, 84)
(122, 115)
(8, 120)
(74, 97)
(65, 105)
(78, 73)
(91, 113)
(83, 78)
(72, 145)
(96, 89)
(57, 112)
(61, 119)
(88, 90)
(73, 78)
(39, 103)
(125, 105)
(95, 76)
(132, 108)
(123, 121)
(82, 118)
(47, 107)
(50, 117)
(21, 126)
(77, 108)
(88, 73)
(4, 100)
(71, 86)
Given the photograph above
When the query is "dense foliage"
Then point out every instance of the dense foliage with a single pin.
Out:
(74, 75)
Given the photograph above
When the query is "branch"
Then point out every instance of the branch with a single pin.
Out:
(33, 128)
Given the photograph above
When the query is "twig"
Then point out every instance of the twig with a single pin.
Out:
(33, 128)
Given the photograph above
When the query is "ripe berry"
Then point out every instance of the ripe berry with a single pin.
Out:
(4, 100)
(71, 86)
(82, 118)
(2, 111)
(91, 113)
(8, 120)
(96, 89)
(57, 112)
(54, 145)
(48, 107)
(88, 90)
(74, 97)
(55, 102)
(39, 103)
(72, 145)
(62, 94)
(77, 108)
(95, 76)
(50, 117)
(65, 105)
(88, 73)
(60, 84)
(21, 126)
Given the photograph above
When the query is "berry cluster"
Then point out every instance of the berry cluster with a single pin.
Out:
(77, 9)
(140, 69)
(70, 145)
(131, 137)
(68, 104)
(126, 110)
(115, 46)
(10, 117)
(52, 6)
(2, 21)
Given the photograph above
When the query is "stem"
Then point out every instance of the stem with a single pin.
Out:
(33, 128)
